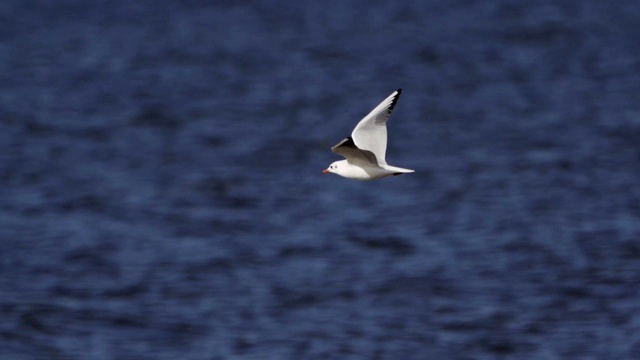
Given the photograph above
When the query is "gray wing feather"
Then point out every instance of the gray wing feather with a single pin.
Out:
(353, 154)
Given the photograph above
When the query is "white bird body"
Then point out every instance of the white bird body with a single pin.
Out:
(350, 171)
(365, 150)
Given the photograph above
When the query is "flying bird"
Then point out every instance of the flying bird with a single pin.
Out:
(365, 149)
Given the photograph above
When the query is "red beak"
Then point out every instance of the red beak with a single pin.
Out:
(325, 171)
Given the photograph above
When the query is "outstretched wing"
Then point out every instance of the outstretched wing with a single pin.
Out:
(350, 151)
(371, 132)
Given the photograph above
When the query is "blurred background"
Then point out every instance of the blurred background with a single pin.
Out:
(161, 194)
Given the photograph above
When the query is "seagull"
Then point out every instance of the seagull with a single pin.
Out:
(365, 149)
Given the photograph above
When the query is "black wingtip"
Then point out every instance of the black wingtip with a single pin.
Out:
(395, 100)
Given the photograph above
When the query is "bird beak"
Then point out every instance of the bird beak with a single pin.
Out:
(325, 171)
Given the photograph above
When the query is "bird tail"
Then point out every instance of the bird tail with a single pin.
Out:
(399, 170)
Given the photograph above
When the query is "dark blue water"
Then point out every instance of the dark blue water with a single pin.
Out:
(161, 194)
